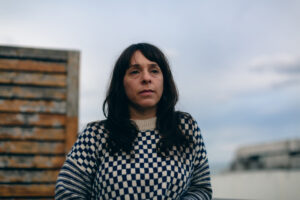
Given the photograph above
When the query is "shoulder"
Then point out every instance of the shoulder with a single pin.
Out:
(188, 125)
(186, 120)
(94, 130)
(86, 150)
(92, 137)
(96, 126)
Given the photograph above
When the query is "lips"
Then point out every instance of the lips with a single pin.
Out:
(146, 92)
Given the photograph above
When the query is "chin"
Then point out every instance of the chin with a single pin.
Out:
(148, 105)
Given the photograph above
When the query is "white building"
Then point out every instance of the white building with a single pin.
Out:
(266, 171)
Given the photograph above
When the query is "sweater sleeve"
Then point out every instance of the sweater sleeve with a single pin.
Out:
(77, 173)
(200, 186)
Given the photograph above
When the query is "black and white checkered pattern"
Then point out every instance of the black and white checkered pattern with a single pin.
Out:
(142, 174)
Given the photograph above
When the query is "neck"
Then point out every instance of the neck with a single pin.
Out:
(136, 113)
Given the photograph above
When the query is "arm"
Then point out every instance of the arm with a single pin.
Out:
(72, 182)
(77, 174)
(200, 187)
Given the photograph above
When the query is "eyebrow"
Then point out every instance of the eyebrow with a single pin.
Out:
(138, 65)
(134, 65)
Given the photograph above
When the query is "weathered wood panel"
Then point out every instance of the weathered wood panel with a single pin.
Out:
(71, 128)
(32, 147)
(19, 133)
(40, 54)
(28, 176)
(53, 120)
(38, 118)
(32, 92)
(31, 190)
(39, 79)
(42, 106)
(72, 98)
(31, 65)
(26, 161)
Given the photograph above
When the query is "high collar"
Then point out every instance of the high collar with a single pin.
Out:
(145, 124)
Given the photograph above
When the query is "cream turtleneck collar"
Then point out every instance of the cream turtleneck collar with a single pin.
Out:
(145, 124)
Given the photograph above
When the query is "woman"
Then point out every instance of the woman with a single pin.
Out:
(144, 149)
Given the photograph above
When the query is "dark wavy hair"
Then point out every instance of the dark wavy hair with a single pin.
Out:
(122, 131)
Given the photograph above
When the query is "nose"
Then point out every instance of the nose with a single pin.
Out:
(146, 77)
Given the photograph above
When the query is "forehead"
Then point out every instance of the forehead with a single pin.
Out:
(139, 58)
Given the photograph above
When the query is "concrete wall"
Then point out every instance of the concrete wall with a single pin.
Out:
(265, 184)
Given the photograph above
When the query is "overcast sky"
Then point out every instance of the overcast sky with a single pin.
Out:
(236, 63)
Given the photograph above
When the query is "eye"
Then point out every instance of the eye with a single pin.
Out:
(134, 72)
(155, 71)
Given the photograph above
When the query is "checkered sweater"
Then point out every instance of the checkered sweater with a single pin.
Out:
(90, 172)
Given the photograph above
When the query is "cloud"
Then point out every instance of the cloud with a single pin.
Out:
(295, 82)
(282, 64)
(258, 74)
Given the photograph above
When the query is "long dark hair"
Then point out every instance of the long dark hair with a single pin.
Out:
(122, 131)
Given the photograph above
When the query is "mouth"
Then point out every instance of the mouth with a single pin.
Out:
(146, 92)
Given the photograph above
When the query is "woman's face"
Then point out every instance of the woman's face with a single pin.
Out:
(143, 84)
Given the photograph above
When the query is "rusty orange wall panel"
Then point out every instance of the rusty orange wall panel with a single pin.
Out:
(32, 161)
(35, 79)
(20, 105)
(32, 119)
(38, 118)
(31, 92)
(23, 175)
(33, 133)
(32, 65)
(21, 190)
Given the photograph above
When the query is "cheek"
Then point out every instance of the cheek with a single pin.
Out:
(129, 89)
(162, 85)
(126, 88)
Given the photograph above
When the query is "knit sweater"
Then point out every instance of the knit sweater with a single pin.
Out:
(90, 172)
